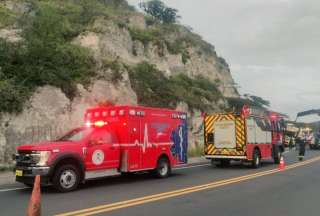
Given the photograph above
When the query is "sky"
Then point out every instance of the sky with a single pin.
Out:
(271, 46)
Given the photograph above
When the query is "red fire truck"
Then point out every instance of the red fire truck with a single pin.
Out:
(251, 135)
(114, 140)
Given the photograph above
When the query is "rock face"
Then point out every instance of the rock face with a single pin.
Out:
(49, 113)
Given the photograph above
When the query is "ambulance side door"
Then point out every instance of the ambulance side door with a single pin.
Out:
(134, 146)
(101, 151)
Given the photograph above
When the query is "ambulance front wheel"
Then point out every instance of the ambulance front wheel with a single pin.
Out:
(66, 178)
(163, 169)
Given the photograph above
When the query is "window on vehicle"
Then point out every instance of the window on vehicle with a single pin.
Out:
(103, 137)
(261, 124)
(76, 134)
(268, 125)
(210, 138)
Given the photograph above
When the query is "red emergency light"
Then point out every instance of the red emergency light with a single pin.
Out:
(273, 116)
(96, 124)
(245, 110)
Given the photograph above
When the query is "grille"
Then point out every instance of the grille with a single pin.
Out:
(26, 158)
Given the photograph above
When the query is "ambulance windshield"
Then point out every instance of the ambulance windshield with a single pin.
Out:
(76, 135)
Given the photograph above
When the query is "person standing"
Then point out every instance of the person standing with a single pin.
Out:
(291, 143)
(301, 142)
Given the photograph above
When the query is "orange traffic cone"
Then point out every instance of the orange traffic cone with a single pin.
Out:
(34, 208)
(282, 164)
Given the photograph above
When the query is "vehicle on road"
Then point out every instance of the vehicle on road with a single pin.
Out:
(115, 140)
(251, 135)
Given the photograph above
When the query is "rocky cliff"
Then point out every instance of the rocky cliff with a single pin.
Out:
(119, 43)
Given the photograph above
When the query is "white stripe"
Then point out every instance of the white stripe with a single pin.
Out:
(13, 189)
(133, 144)
(188, 167)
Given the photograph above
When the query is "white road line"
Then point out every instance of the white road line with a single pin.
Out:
(188, 167)
(12, 189)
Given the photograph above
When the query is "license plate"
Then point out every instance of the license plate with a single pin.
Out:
(19, 173)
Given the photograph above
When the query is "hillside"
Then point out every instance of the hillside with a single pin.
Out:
(59, 57)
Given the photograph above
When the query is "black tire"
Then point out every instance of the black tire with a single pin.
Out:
(256, 159)
(225, 163)
(163, 169)
(221, 163)
(28, 185)
(213, 162)
(276, 154)
(66, 178)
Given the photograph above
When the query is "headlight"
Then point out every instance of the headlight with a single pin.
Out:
(42, 158)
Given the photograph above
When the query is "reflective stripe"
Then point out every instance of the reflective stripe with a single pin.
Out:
(140, 144)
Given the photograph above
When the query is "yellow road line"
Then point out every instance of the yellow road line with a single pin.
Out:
(180, 192)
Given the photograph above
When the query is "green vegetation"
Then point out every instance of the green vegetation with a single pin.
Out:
(249, 100)
(5, 168)
(149, 35)
(158, 10)
(46, 56)
(115, 67)
(157, 35)
(7, 17)
(154, 89)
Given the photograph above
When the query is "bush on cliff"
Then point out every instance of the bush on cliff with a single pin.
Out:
(153, 88)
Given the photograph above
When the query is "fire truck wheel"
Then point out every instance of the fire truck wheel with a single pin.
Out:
(256, 162)
(163, 169)
(225, 163)
(66, 178)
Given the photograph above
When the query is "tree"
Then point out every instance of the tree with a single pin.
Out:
(158, 10)
(258, 101)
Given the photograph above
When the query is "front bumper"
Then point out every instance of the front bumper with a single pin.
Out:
(27, 174)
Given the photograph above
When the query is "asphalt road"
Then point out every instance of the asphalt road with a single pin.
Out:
(237, 190)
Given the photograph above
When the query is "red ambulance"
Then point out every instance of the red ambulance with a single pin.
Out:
(114, 140)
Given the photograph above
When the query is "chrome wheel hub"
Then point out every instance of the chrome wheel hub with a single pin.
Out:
(68, 179)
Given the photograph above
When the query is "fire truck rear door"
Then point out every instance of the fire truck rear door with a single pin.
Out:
(225, 135)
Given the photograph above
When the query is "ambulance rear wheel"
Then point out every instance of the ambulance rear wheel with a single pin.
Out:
(256, 162)
(163, 169)
(66, 178)
(28, 184)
